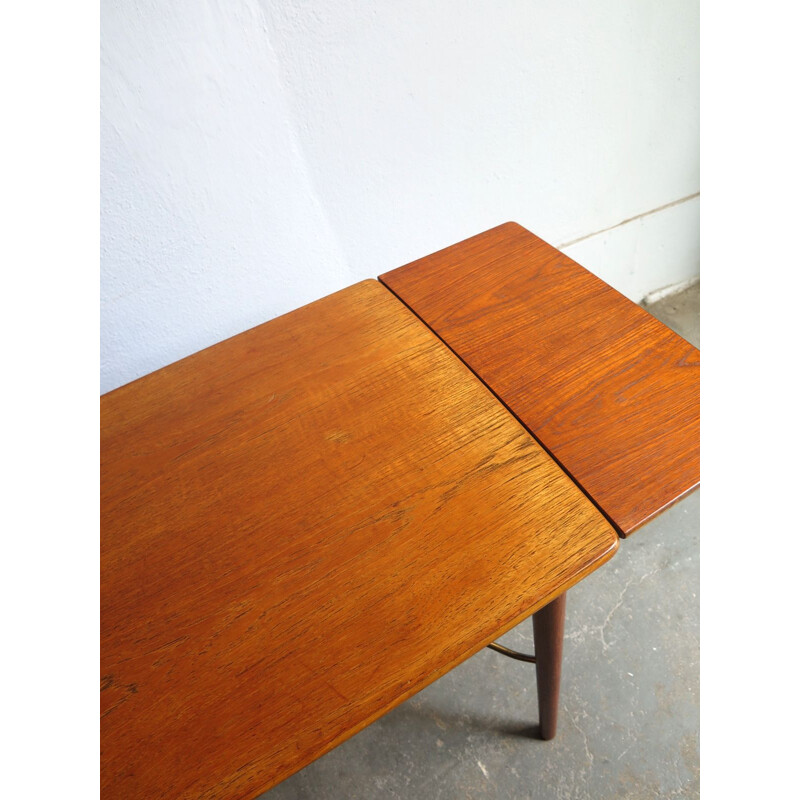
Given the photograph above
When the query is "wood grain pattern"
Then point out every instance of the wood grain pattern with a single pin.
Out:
(610, 391)
(301, 527)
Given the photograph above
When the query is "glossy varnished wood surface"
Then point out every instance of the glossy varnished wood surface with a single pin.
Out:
(611, 392)
(301, 527)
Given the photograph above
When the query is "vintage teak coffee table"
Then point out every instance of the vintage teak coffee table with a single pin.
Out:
(305, 524)
(301, 527)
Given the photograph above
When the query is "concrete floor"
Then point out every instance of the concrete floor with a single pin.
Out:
(629, 717)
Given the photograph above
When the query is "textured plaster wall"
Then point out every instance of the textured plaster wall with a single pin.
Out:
(258, 155)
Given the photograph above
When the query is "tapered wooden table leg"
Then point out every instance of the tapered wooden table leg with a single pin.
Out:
(548, 636)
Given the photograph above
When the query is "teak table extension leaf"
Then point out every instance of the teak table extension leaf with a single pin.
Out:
(301, 527)
(611, 392)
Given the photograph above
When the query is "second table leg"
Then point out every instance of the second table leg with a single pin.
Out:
(548, 636)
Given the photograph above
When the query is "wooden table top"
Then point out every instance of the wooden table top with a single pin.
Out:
(302, 526)
(611, 392)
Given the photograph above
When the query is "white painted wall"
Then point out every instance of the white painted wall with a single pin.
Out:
(258, 155)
